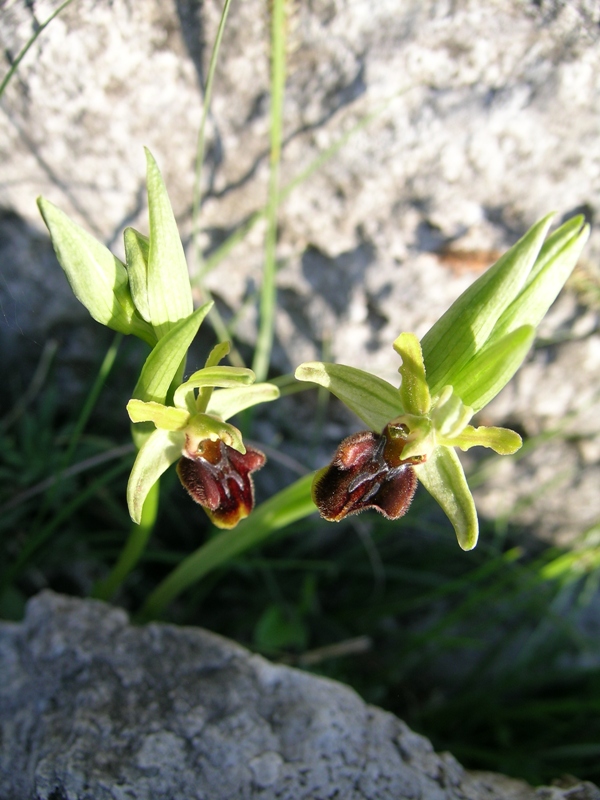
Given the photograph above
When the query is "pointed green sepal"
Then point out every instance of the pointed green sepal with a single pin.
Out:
(444, 478)
(556, 261)
(168, 286)
(371, 398)
(502, 440)
(166, 417)
(224, 377)
(227, 402)
(465, 328)
(166, 358)
(136, 255)
(204, 426)
(490, 371)
(414, 392)
(156, 455)
(97, 277)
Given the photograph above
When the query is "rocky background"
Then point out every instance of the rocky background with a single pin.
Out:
(485, 117)
(93, 707)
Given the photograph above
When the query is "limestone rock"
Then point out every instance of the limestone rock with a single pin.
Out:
(93, 708)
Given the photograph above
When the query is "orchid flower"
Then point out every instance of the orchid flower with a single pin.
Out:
(461, 364)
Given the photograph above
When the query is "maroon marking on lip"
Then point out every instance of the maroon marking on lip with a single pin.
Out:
(219, 479)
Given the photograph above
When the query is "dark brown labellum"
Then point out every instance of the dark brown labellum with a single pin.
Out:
(367, 471)
(219, 478)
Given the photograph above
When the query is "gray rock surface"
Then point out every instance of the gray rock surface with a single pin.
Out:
(93, 708)
(492, 120)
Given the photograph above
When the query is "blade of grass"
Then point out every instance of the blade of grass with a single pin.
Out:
(214, 318)
(289, 505)
(38, 380)
(264, 342)
(92, 398)
(134, 547)
(201, 133)
(76, 469)
(42, 535)
(240, 233)
(88, 406)
(24, 51)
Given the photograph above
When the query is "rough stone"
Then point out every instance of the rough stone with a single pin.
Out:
(93, 708)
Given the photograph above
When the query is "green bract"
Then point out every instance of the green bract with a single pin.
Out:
(466, 358)
(149, 294)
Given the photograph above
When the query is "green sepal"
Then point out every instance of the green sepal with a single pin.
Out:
(502, 440)
(225, 377)
(555, 263)
(168, 286)
(465, 328)
(204, 426)
(449, 414)
(444, 478)
(414, 391)
(166, 417)
(490, 370)
(166, 358)
(371, 398)
(97, 277)
(155, 456)
(137, 248)
(227, 402)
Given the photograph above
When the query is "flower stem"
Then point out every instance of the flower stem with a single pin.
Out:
(290, 505)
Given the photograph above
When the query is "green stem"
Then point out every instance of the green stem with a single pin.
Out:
(264, 342)
(24, 51)
(289, 505)
(134, 547)
(240, 233)
(201, 141)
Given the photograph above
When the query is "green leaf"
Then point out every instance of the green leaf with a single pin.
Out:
(374, 400)
(164, 361)
(443, 477)
(287, 506)
(137, 249)
(156, 455)
(490, 370)
(211, 376)
(414, 392)
(465, 328)
(552, 270)
(227, 402)
(165, 417)
(169, 291)
(502, 440)
(97, 277)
